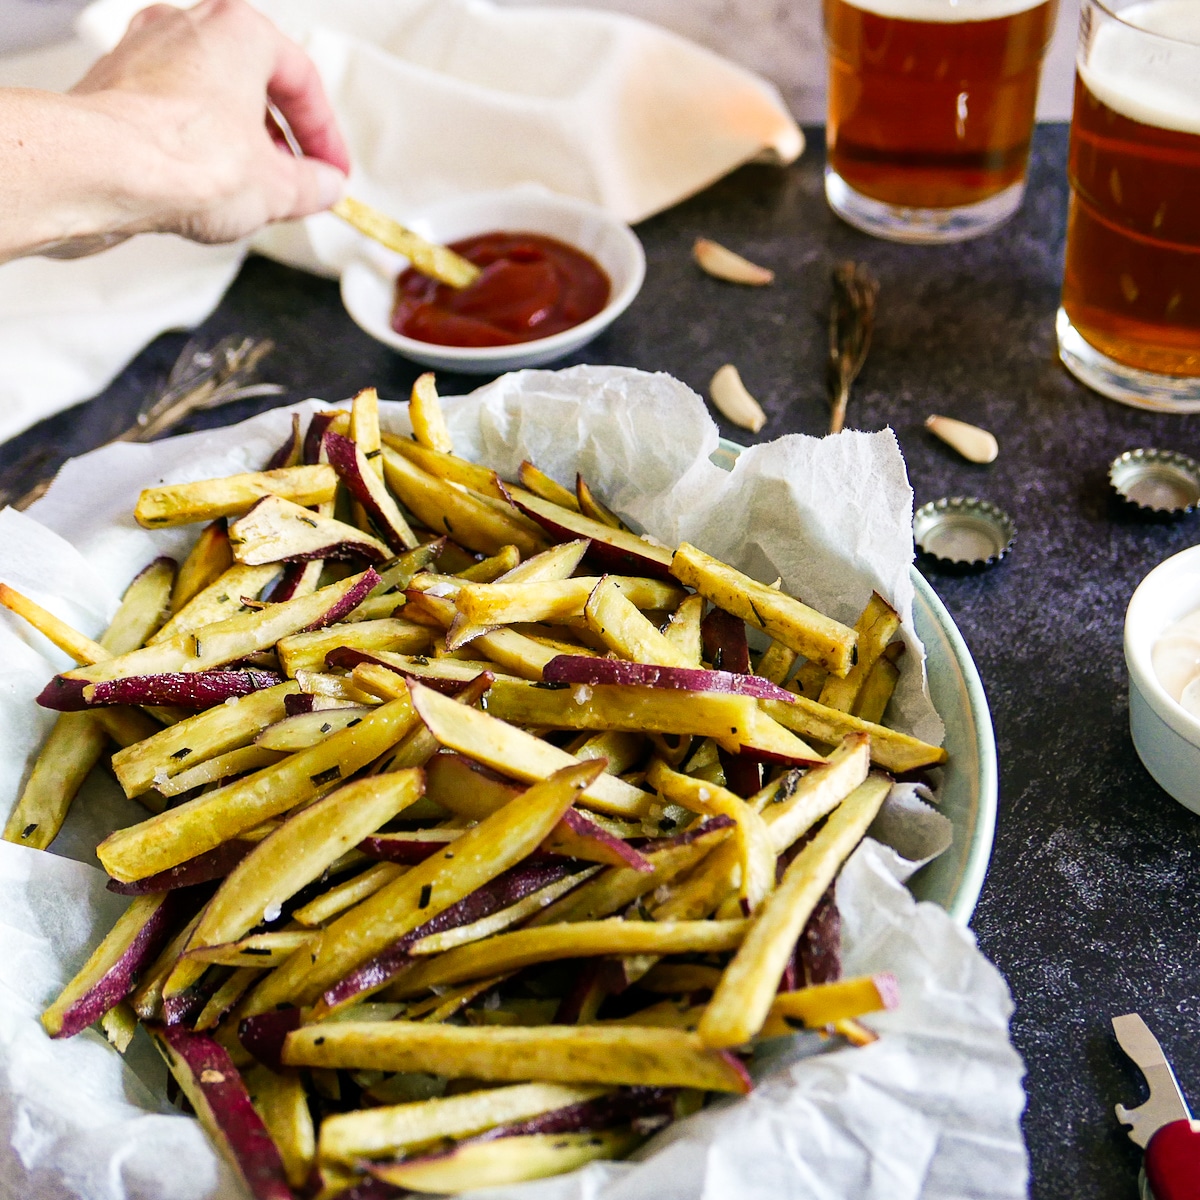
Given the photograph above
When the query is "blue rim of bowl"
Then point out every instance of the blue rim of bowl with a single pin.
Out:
(955, 879)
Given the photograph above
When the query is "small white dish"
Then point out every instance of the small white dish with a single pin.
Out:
(369, 280)
(1165, 735)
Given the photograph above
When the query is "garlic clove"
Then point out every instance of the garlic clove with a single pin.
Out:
(729, 394)
(724, 264)
(974, 444)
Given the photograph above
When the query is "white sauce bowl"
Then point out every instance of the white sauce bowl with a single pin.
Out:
(369, 280)
(1165, 735)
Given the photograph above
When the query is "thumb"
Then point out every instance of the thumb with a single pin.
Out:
(318, 186)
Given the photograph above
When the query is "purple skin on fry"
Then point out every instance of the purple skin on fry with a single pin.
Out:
(580, 668)
(289, 581)
(344, 456)
(195, 689)
(317, 425)
(212, 864)
(619, 1108)
(121, 978)
(578, 824)
(348, 603)
(506, 889)
(263, 1035)
(611, 558)
(232, 1112)
(283, 456)
(724, 639)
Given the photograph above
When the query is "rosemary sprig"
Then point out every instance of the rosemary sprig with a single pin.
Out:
(200, 379)
(851, 320)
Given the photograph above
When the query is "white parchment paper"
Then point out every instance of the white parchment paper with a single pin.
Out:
(931, 1110)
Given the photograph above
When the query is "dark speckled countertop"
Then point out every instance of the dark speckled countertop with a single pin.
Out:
(1091, 906)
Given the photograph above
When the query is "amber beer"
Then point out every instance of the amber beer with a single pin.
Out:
(1131, 285)
(931, 108)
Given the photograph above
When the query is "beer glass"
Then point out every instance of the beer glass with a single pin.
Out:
(1129, 325)
(931, 107)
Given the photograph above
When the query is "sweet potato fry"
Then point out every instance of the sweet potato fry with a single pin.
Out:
(510, 601)
(480, 854)
(366, 485)
(347, 894)
(515, 753)
(308, 651)
(619, 625)
(373, 1133)
(506, 1160)
(428, 420)
(221, 598)
(504, 918)
(446, 466)
(614, 549)
(207, 821)
(282, 1103)
(558, 1053)
(214, 770)
(206, 735)
(743, 998)
(63, 763)
(69, 640)
(112, 970)
(877, 690)
(206, 562)
(231, 640)
(753, 836)
(294, 855)
(540, 484)
(211, 1082)
(447, 508)
(825, 1003)
(257, 949)
(183, 503)
(683, 631)
(890, 749)
(797, 626)
(276, 530)
(583, 939)
(876, 627)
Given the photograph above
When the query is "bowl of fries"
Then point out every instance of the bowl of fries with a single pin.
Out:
(368, 282)
(449, 775)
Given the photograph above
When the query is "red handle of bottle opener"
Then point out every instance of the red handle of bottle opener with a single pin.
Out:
(1173, 1161)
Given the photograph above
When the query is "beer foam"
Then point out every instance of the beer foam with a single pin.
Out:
(1152, 79)
(946, 12)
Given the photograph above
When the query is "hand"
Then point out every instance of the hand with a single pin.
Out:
(194, 83)
(169, 133)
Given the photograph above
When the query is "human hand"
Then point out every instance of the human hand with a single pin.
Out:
(190, 88)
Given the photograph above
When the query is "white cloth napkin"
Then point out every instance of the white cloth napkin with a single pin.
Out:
(437, 98)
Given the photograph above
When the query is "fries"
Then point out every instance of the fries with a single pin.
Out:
(447, 809)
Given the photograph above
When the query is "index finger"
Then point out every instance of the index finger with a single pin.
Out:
(296, 88)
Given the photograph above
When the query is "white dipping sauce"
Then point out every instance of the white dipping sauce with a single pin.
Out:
(1176, 658)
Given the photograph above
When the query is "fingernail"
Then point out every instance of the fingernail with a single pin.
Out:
(331, 184)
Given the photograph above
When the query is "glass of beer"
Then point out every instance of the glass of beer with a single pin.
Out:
(931, 107)
(1129, 325)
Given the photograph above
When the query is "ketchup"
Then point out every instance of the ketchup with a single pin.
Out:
(532, 286)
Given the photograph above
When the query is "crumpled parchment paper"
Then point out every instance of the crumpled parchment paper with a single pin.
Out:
(931, 1110)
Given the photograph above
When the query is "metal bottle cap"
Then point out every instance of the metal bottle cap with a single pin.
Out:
(1157, 482)
(963, 533)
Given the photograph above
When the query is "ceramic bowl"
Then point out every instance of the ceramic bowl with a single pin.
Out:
(368, 281)
(1165, 735)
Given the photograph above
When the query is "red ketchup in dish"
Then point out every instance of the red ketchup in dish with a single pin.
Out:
(532, 286)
